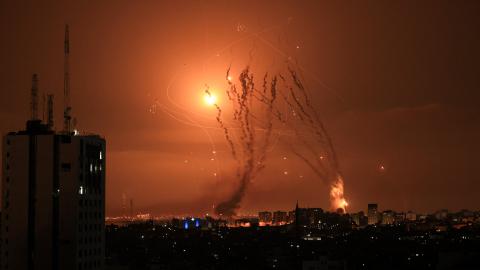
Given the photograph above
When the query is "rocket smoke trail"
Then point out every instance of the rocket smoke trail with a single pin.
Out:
(255, 112)
(252, 112)
(326, 166)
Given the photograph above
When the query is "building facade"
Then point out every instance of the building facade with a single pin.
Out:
(53, 200)
(265, 217)
(279, 218)
(372, 214)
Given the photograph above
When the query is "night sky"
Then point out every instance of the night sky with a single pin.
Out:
(397, 84)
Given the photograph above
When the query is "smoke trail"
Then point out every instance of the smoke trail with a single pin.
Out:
(222, 125)
(255, 110)
(252, 111)
(322, 130)
(331, 173)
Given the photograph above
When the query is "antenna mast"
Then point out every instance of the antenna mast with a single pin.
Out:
(44, 106)
(66, 87)
(34, 98)
(50, 112)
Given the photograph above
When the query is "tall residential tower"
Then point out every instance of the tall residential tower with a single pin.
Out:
(53, 197)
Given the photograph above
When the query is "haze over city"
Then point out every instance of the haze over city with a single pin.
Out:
(395, 83)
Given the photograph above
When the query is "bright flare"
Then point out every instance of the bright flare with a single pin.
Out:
(210, 99)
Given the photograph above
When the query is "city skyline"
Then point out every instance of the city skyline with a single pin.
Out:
(399, 99)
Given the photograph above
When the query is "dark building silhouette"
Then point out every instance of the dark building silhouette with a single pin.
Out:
(53, 199)
(53, 194)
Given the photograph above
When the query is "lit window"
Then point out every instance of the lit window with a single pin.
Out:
(91, 167)
(81, 191)
(101, 156)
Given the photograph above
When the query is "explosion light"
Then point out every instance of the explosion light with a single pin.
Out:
(210, 99)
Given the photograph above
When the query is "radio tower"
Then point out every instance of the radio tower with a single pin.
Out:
(66, 87)
(50, 112)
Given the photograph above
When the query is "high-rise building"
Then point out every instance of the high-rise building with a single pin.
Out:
(53, 188)
(279, 217)
(372, 214)
(315, 216)
(53, 193)
(307, 217)
(388, 217)
(357, 218)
